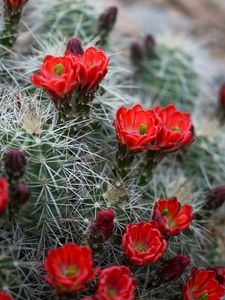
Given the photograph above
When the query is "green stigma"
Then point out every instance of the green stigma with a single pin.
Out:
(71, 271)
(165, 211)
(141, 248)
(58, 69)
(176, 128)
(143, 129)
(112, 293)
(203, 296)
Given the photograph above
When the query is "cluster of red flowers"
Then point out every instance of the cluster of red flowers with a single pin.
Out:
(70, 268)
(60, 76)
(165, 129)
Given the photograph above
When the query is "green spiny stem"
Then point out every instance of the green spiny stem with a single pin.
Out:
(11, 22)
(151, 160)
(124, 160)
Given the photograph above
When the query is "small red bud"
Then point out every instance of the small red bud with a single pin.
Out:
(136, 53)
(149, 45)
(174, 268)
(215, 198)
(19, 196)
(108, 19)
(15, 163)
(75, 46)
(102, 227)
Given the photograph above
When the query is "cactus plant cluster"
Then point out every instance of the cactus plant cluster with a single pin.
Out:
(111, 174)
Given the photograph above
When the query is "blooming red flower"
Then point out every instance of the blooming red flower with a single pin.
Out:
(115, 282)
(220, 274)
(174, 268)
(69, 268)
(176, 131)
(142, 243)
(4, 195)
(222, 95)
(4, 296)
(171, 217)
(57, 76)
(102, 228)
(136, 128)
(91, 67)
(202, 285)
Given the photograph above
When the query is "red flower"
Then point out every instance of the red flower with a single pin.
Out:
(15, 2)
(102, 228)
(136, 128)
(220, 274)
(142, 243)
(176, 131)
(171, 217)
(91, 67)
(4, 195)
(4, 296)
(202, 285)
(69, 268)
(57, 76)
(222, 95)
(115, 282)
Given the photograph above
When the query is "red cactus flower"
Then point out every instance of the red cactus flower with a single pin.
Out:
(171, 217)
(16, 3)
(136, 128)
(176, 131)
(91, 67)
(102, 228)
(222, 95)
(173, 269)
(115, 283)
(142, 243)
(202, 285)
(4, 296)
(57, 76)
(4, 195)
(69, 268)
(220, 274)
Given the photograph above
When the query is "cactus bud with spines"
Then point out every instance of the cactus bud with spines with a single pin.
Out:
(215, 198)
(136, 53)
(75, 46)
(149, 45)
(107, 22)
(15, 164)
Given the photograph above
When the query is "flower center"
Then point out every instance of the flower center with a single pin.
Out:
(165, 212)
(88, 64)
(71, 271)
(112, 293)
(141, 248)
(143, 129)
(203, 296)
(176, 128)
(58, 69)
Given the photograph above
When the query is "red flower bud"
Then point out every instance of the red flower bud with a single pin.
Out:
(108, 18)
(202, 285)
(149, 44)
(136, 53)
(4, 195)
(4, 296)
(19, 196)
(220, 274)
(15, 164)
(102, 228)
(136, 128)
(174, 268)
(115, 283)
(142, 243)
(171, 217)
(222, 95)
(69, 268)
(215, 198)
(75, 46)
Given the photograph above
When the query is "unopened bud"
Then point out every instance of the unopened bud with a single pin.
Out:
(136, 53)
(108, 19)
(19, 196)
(215, 198)
(15, 164)
(222, 95)
(75, 46)
(174, 268)
(102, 227)
(149, 45)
